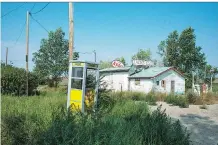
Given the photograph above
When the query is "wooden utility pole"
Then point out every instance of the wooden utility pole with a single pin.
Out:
(6, 61)
(27, 49)
(71, 32)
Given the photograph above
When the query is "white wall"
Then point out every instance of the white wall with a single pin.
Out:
(114, 80)
(168, 77)
(144, 86)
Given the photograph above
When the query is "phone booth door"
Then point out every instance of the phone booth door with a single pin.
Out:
(76, 90)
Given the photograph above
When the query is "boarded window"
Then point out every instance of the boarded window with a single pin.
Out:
(137, 81)
(157, 82)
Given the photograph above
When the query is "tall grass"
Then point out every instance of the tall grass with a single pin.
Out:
(24, 118)
(44, 120)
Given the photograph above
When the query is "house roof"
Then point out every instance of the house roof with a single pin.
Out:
(153, 72)
(115, 69)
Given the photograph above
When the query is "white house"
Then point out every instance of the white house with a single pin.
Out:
(158, 79)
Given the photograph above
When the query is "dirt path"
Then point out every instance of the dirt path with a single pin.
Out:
(202, 123)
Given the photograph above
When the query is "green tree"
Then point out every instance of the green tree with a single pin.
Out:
(105, 64)
(75, 55)
(142, 55)
(210, 71)
(53, 56)
(181, 52)
(122, 59)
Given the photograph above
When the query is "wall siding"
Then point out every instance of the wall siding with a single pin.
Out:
(168, 77)
(144, 86)
(115, 80)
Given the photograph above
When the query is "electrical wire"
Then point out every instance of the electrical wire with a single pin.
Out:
(41, 9)
(13, 10)
(39, 23)
(85, 52)
(33, 7)
(20, 34)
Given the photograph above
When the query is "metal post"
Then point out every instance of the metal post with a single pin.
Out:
(27, 50)
(211, 81)
(193, 84)
(95, 55)
(96, 89)
(84, 87)
(69, 85)
(6, 61)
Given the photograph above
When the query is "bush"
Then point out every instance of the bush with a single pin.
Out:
(13, 81)
(191, 96)
(181, 101)
(211, 98)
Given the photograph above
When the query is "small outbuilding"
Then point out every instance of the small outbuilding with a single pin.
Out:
(157, 79)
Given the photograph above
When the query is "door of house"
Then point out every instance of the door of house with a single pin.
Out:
(172, 86)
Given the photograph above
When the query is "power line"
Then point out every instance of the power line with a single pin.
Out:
(22, 28)
(33, 7)
(41, 8)
(20, 33)
(39, 23)
(13, 10)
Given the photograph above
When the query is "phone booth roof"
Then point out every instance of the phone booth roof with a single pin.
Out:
(89, 64)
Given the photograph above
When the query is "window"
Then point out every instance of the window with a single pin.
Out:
(163, 83)
(157, 82)
(76, 84)
(137, 81)
(77, 72)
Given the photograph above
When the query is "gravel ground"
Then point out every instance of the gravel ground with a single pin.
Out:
(202, 123)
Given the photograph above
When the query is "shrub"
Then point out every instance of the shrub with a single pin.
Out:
(13, 81)
(191, 96)
(181, 101)
(211, 98)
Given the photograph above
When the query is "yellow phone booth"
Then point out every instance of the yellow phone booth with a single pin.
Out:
(83, 85)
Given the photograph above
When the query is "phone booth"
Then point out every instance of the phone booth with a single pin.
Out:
(83, 85)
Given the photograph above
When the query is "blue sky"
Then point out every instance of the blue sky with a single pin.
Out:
(112, 29)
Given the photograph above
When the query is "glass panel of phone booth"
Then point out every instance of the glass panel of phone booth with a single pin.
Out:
(90, 88)
(76, 88)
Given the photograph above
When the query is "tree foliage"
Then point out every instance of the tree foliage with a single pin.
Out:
(105, 64)
(53, 56)
(122, 59)
(142, 55)
(181, 52)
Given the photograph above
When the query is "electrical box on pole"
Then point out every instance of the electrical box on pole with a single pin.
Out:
(83, 82)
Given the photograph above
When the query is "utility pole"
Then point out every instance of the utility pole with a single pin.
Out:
(6, 61)
(193, 84)
(211, 80)
(27, 50)
(94, 54)
(71, 42)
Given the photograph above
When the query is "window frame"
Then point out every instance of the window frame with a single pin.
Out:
(137, 81)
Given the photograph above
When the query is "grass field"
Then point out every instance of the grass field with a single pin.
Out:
(44, 120)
